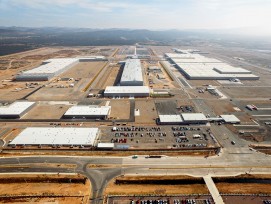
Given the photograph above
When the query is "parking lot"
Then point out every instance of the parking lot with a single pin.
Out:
(162, 137)
(182, 199)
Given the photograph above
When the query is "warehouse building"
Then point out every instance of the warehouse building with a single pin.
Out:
(57, 136)
(170, 120)
(88, 112)
(199, 67)
(48, 69)
(15, 110)
(127, 91)
(92, 58)
(132, 73)
(194, 118)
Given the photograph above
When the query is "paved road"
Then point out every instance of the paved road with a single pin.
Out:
(230, 162)
(213, 190)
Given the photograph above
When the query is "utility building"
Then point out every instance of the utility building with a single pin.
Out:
(132, 73)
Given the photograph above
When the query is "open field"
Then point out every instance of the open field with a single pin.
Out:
(44, 188)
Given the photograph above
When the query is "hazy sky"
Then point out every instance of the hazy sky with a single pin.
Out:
(152, 14)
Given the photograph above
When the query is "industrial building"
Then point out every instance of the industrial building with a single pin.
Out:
(170, 120)
(88, 112)
(48, 69)
(127, 91)
(132, 73)
(15, 110)
(199, 67)
(194, 118)
(92, 58)
(184, 118)
(53, 67)
(57, 136)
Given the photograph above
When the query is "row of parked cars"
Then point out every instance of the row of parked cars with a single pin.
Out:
(133, 128)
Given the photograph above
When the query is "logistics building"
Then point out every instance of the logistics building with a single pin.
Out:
(53, 67)
(48, 70)
(170, 119)
(15, 110)
(132, 73)
(91, 58)
(194, 118)
(184, 118)
(127, 91)
(196, 66)
(57, 136)
(90, 112)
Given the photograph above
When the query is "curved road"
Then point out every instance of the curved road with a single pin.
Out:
(229, 162)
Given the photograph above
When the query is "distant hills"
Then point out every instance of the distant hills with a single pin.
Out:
(16, 39)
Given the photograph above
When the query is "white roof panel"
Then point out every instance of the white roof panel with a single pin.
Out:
(127, 89)
(52, 66)
(15, 108)
(170, 118)
(56, 136)
(194, 117)
(132, 71)
(197, 66)
(209, 70)
(88, 110)
(230, 118)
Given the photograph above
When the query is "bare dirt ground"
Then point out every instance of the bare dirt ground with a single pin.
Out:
(10, 65)
(147, 111)
(248, 92)
(114, 188)
(112, 76)
(244, 184)
(220, 107)
(46, 112)
(45, 188)
(120, 109)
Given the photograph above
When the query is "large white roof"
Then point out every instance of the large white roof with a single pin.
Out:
(190, 58)
(210, 70)
(52, 66)
(170, 118)
(56, 136)
(127, 89)
(15, 108)
(88, 110)
(193, 117)
(132, 71)
(197, 66)
(230, 118)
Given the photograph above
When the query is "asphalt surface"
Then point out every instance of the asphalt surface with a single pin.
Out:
(229, 163)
